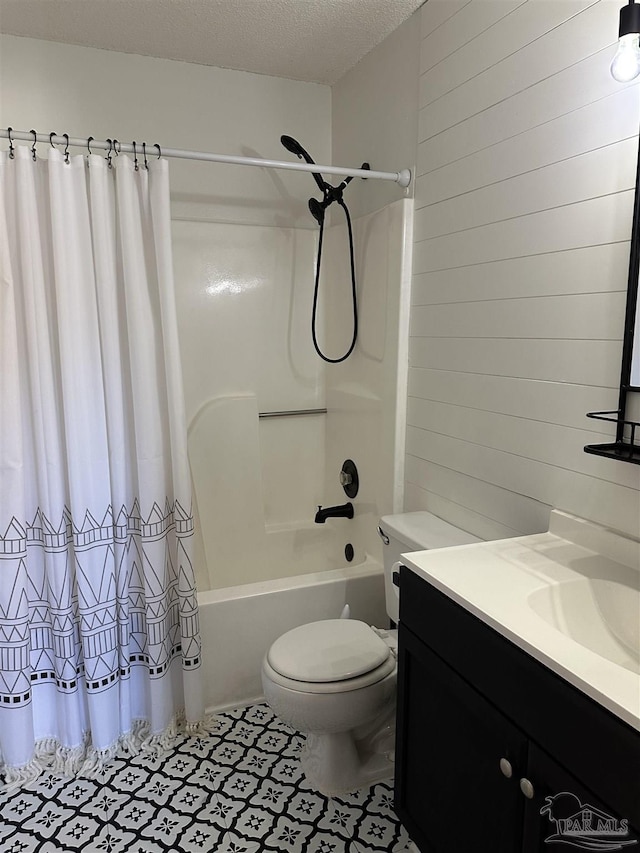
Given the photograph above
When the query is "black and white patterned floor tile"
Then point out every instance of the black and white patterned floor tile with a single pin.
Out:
(238, 790)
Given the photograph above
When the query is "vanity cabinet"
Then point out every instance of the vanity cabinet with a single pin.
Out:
(478, 723)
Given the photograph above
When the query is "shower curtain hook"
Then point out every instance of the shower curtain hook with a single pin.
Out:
(144, 154)
(135, 156)
(89, 141)
(66, 148)
(159, 150)
(9, 131)
(51, 135)
(108, 157)
(33, 147)
(117, 147)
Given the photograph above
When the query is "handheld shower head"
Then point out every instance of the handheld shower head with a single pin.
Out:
(294, 147)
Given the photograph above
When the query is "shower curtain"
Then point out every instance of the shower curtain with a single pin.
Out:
(99, 642)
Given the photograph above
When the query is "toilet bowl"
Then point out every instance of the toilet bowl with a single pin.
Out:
(335, 680)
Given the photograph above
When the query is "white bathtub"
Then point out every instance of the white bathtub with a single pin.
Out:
(238, 624)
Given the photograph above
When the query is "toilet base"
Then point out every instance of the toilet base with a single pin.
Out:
(333, 764)
(339, 762)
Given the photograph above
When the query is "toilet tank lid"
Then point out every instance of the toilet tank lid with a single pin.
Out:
(422, 530)
(329, 650)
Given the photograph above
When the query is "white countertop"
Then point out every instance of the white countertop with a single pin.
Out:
(496, 581)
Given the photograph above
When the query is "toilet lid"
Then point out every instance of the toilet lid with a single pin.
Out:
(331, 650)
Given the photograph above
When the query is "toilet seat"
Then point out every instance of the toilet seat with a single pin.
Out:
(326, 687)
(330, 656)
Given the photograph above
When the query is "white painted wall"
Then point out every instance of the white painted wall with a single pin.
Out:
(374, 116)
(526, 173)
(83, 91)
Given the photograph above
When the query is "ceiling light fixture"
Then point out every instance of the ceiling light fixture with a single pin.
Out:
(626, 62)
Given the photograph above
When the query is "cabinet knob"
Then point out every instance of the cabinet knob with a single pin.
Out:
(527, 788)
(505, 767)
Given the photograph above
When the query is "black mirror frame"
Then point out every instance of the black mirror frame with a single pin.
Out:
(626, 447)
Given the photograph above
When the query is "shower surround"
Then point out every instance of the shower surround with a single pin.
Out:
(244, 296)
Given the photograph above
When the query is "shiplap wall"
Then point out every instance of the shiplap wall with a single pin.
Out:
(525, 183)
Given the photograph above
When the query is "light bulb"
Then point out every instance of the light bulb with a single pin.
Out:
(626, 62)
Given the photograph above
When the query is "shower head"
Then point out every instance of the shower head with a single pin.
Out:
(294, 147)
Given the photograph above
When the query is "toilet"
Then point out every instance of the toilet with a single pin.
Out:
(335, 680)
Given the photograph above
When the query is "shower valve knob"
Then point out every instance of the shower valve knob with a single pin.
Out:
(349, 478)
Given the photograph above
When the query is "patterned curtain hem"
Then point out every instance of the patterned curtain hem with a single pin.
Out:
(86, 761)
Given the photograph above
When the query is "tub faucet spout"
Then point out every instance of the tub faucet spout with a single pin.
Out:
(342, 511)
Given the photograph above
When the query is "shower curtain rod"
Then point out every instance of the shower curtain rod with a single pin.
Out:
(403, 177)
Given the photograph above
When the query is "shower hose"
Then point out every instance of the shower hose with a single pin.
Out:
(353, 290)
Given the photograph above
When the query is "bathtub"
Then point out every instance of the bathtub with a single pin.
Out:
(239, 623)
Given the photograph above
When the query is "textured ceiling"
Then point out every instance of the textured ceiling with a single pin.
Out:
(312, 40)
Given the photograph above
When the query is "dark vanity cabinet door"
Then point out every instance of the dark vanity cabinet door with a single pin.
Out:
(452, 793)
(559, 793)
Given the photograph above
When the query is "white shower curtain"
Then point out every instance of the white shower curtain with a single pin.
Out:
(99, 642)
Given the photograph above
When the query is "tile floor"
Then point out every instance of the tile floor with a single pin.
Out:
(238, 790)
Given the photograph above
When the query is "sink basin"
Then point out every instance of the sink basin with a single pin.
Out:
(601, 615)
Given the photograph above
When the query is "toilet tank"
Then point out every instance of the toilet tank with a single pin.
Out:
(413, 531)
